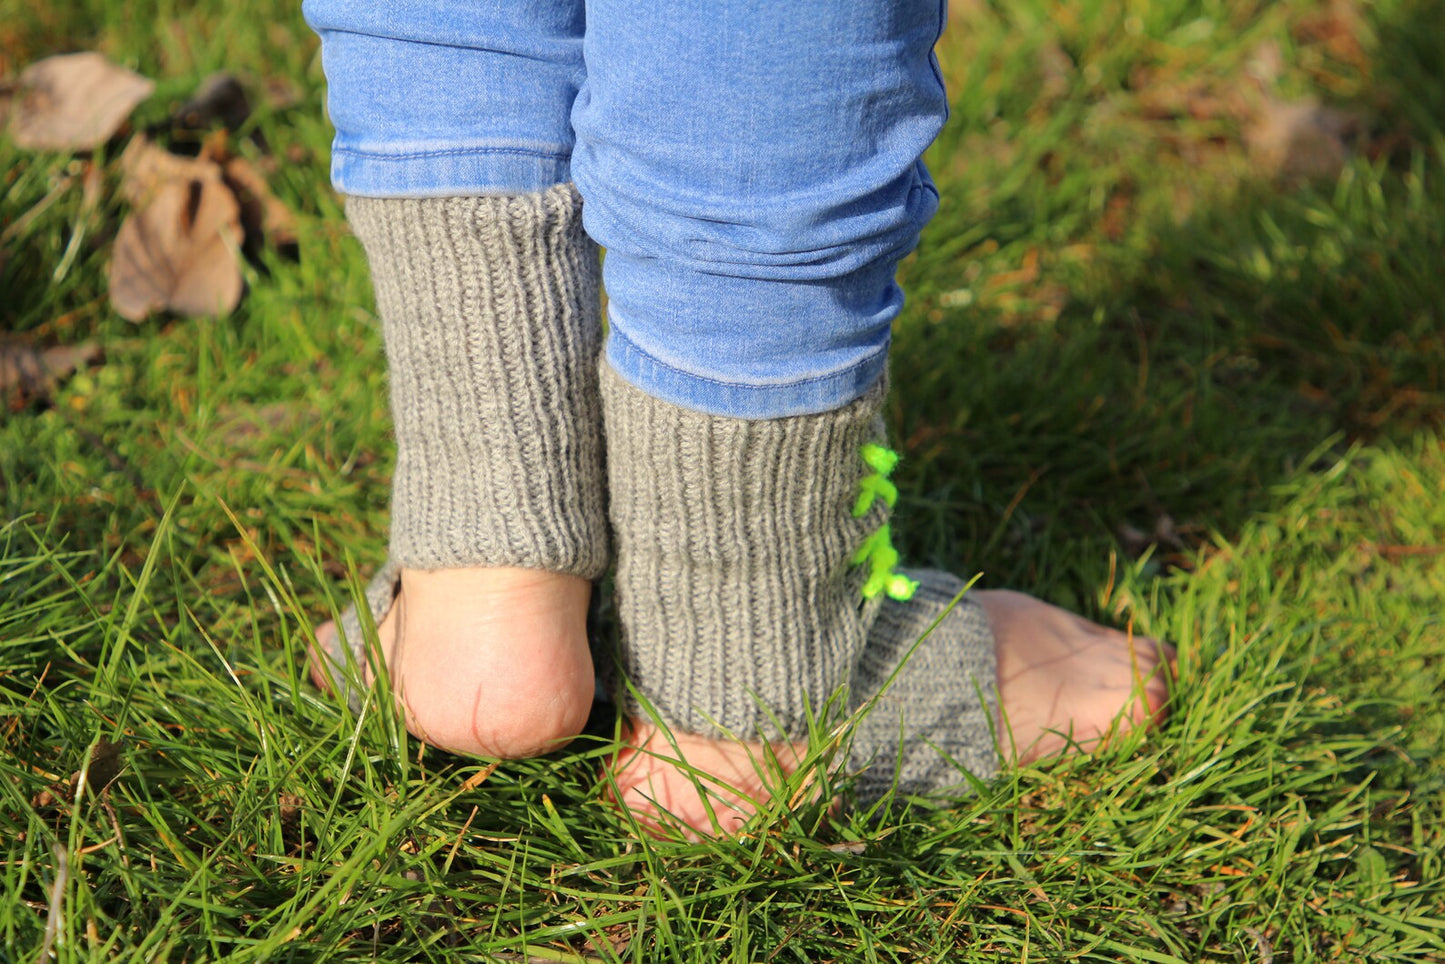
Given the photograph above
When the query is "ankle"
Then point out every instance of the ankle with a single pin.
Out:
(492, 662)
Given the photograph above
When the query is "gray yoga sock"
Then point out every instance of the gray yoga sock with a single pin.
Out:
(740, 590)
(490, 309)
(941, 702)
(733, 536)
(491, 313)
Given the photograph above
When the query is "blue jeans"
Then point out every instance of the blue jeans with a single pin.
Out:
(752, 167)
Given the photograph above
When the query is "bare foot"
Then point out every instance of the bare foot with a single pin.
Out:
(486, 662)
(736, 779)
(1065, 682)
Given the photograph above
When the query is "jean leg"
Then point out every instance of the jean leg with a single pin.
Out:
(753, 170)
(435, 98)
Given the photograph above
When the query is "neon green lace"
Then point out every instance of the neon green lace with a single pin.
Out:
(877, 551)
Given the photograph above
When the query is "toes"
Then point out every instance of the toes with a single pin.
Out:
(1063, 676)
(1155, 664)
(693, 786)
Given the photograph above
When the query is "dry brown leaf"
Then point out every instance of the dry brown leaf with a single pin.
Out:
(1301, 139)
(289, 807)
(146, 168)
(178, 251)
(106, 763)
(74, 102)
(29, 374)
(262, 213)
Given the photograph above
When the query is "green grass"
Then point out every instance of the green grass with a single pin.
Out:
(1113, 319)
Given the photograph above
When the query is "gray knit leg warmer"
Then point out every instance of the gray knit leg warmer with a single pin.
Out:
(734, 590)
(743, 609)
(490, 311)
(935, 717)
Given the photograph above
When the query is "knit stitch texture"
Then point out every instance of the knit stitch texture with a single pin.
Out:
(741, 611)
(490, 309)
(935, 718)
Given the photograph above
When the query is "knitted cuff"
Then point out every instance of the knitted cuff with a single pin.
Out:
(930, 699)
(490, 310)
(740, 600)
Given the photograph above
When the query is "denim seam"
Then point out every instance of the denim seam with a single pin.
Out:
(626, 344)
(520, 152)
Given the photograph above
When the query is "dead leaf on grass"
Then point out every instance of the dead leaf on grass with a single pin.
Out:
(146, 168)
(289, 807)
(177, 250)
(106, 763)
(262, 213)
(1303, 140)
(29, 374)
(74, 102)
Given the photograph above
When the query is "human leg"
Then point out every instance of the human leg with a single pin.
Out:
(453, 144)
(754, 173)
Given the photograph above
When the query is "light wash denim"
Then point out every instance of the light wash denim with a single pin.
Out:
(751, 166)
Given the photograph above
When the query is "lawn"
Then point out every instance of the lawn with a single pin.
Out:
(1174, 356)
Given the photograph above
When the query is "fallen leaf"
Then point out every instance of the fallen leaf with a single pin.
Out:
(1303, 139)
(262, 213)
(29, 374)
(216, 146)
(289, 807)
(146, 168)
(74, 102)
(106, 763)
(179, 251)
(847, 847)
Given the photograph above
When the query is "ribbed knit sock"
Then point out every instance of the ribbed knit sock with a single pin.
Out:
(734, 588)
(935, 717)
(490, 310)
(755, 578)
